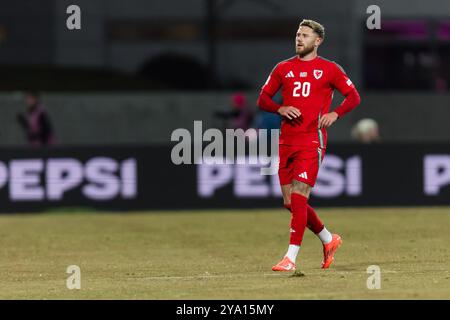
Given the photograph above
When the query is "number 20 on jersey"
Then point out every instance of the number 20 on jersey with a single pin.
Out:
(301, 89)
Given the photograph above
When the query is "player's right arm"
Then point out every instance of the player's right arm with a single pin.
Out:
(269, 89)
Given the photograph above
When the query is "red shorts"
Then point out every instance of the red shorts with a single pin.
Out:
(300, 163)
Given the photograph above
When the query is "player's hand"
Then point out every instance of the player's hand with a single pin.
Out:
(289, 112)
(328, 119)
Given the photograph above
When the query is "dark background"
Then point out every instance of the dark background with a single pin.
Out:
(139, 69)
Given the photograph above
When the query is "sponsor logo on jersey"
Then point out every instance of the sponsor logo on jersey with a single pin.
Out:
(318, 74)
(303, 74)
(290, 74)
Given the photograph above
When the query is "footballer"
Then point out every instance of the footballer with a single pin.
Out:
(307, 82)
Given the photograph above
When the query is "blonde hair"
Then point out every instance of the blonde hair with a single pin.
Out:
(315, 26)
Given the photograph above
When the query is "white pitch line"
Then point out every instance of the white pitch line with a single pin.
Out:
(246, 275)
(206, 276)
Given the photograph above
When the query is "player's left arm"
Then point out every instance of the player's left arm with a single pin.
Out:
(352, 99)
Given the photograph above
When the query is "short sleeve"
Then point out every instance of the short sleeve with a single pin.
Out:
(340, 81)
(273, 82)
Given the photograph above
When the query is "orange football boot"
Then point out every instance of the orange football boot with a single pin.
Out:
(284, 265)
(329, 249)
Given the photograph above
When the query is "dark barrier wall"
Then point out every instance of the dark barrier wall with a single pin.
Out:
(125, 118)
(142, 178)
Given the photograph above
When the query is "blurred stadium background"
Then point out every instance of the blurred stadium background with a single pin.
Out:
(137, 70)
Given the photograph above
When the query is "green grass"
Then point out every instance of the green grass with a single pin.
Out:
(223, 255)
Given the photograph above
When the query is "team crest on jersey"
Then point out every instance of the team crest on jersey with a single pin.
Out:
(318, 74)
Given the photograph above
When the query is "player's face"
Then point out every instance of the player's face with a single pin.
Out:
(305, 41)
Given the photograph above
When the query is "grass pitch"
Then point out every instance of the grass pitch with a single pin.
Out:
(223, 255)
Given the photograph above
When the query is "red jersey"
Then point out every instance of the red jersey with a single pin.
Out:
(308, 86)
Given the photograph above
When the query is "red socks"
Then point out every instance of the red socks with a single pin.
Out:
(313, 222)
(299, 218)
